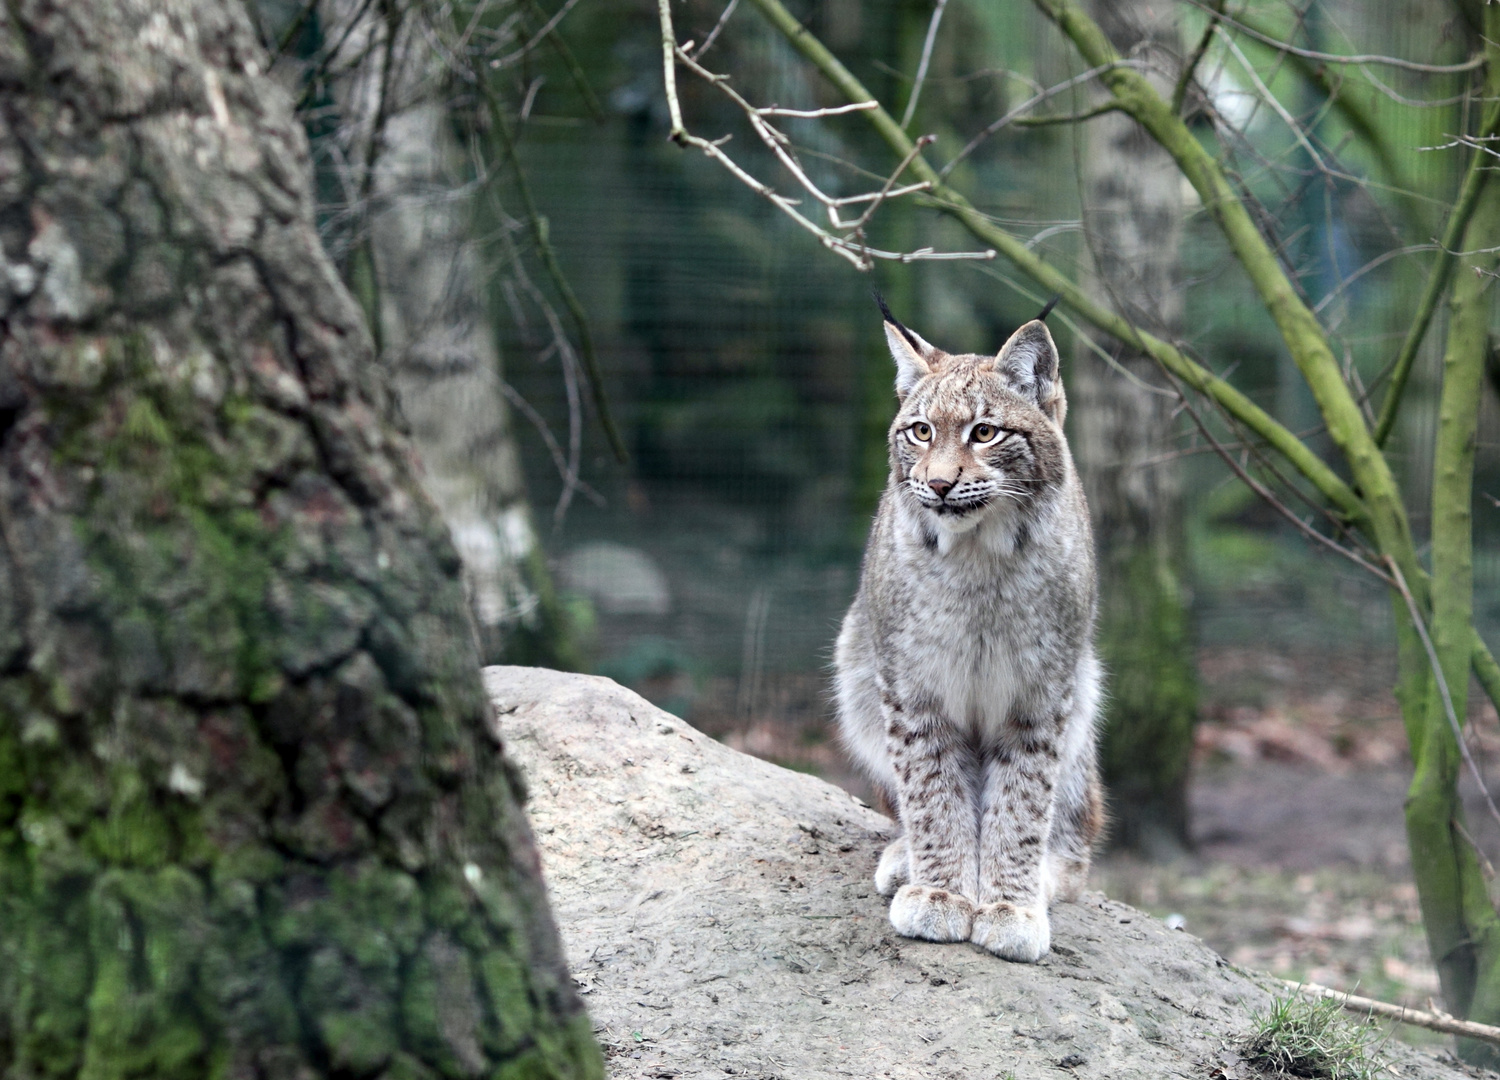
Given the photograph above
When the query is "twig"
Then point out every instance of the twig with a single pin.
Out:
(814, 114)
(1275, 103)
(1036, 99)
(292, 30)
(669, 70)
(554, 271)
(886, 191)
(1484, 860)
(526, 409)
(1073, 118)
(1433, 1021)
(851, 245)
(1471, 64)
(1185, 79)
(1442, 684)
(1378, 261)
(1270, 498)
(535, 39)
(568, 361)
(713, 35)
(559, 45)
(916, 89)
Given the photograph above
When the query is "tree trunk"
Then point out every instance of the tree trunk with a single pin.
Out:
(253, 818)
(1122, 436)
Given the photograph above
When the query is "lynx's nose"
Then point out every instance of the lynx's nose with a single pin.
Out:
(942, 487)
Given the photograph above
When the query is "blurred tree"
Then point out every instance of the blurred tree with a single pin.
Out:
(254, 819)
(1123, 437)
(388, 108)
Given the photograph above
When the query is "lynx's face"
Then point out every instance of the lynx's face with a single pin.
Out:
(977, 433)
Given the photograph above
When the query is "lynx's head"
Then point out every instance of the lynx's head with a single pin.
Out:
(977, 433)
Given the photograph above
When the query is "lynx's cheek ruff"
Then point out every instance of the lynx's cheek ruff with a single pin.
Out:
(966, 679)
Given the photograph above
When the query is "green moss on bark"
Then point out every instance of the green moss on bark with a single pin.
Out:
(251, 806)
(1145, 640)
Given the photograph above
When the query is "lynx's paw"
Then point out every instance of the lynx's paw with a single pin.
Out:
(894, 870)
(1011, 932)
(922, 911)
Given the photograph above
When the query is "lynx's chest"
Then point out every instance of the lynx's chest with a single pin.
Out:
(990, 629)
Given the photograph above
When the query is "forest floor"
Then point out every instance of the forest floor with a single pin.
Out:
(1299, 864)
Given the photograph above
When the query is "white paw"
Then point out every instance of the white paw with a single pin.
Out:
(1011, 932)
(894, 870)
(932, 914)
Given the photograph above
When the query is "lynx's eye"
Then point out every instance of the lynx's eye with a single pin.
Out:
(984, 433)
(920, 431)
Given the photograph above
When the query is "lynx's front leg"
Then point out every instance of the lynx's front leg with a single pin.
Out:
(936, 801)
(1019, 782)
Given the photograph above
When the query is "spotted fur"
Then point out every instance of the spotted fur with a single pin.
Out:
(966, 677)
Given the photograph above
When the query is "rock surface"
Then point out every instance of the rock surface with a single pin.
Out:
(718, 914)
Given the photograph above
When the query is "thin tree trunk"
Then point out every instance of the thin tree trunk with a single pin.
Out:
(253, 819)
(1123, 439)
(406, 192)
(1463, 929)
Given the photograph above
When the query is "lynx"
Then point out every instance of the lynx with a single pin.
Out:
(966, 679)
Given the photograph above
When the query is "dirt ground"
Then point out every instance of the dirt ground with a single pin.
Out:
(1299, 864)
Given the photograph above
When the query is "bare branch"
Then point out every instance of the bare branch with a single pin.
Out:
(1190, 68)
(1270, 498)
(1275, 103)
(815, 114)
(1474, 63)
(1378, 261)
(916, 90)
(1088, 114)
(1025, 106)
(850, 245)
(1433, 1021)
(535, 39)
(713, 35)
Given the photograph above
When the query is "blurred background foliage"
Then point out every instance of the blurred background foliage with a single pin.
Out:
(744, 364)
(744, 371)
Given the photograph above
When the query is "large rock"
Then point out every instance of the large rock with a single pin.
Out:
(718, 913)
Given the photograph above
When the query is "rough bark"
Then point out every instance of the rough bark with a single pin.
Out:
(1122, 439)
(253, 818)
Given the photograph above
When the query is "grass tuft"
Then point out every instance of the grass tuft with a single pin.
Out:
(1312, 1038)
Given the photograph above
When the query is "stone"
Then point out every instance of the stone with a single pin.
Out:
(711, 938)
(620, 580)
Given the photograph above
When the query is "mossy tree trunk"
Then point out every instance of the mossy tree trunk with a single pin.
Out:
(253, 818)
(1123, 436)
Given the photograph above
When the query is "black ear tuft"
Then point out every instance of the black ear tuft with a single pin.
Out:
(911, 338)
(1048, 309)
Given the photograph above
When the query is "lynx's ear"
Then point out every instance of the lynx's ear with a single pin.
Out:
(911, 354)
(1029, 363)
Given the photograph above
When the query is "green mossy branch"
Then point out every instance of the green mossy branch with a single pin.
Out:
(1475, 181)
